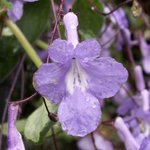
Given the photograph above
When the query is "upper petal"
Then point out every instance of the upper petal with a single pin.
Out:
(61, 51)
(87, 49)
(105, 76)
(79, 113)
(49, 81)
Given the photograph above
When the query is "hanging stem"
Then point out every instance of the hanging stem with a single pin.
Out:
(9, 96)
(54, 138)
(24, 100)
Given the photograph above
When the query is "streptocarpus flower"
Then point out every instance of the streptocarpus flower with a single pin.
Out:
(17, 11)
(76, 79)
(15, 141)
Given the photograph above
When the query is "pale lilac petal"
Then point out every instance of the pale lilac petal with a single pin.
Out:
(146, 64)
(139, 78)
(139, 113)
(49, 81)
(145, 144)
(120, 18)
(101, 143)
(125, 135)
(15, 141)
(144, 47)
(145, 50)
(105, 76)
(125, 107)
(87, 49)
(61, 51)
(79, 113)
(16, 12)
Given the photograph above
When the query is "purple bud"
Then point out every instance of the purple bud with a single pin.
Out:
(71, 23)
(145, 99)
(125, 134)
(15, 141)
(139, 78)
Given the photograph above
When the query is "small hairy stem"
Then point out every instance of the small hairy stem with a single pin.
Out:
(54, 138)
(56, 21)
(24, 42)
(93, 140)
(22, 83)
(55, 16)
(52, 116)
(23, 100)
(9, 73)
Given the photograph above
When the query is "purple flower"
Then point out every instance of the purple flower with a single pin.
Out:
(76, 79)
(118, 18)
(15, 141)
(17, 10)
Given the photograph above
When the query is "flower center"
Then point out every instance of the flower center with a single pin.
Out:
(76, 77)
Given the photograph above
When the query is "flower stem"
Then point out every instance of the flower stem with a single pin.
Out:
(41, 44)
(24, 42)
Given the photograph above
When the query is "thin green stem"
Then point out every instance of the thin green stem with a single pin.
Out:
(41, 44)
(24, 42)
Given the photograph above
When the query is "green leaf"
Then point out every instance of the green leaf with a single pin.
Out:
(90, 22)
(35, 19)
(9, 55)
(38, 124)
(5, 5)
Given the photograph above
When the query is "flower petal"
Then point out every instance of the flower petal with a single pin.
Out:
(79, 113)
(87, 49)
(49, 81)
(105, 76)
(145, 144)
(61, 51)
(15, 141)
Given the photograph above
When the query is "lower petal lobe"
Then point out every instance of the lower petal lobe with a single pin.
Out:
(79, 113)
